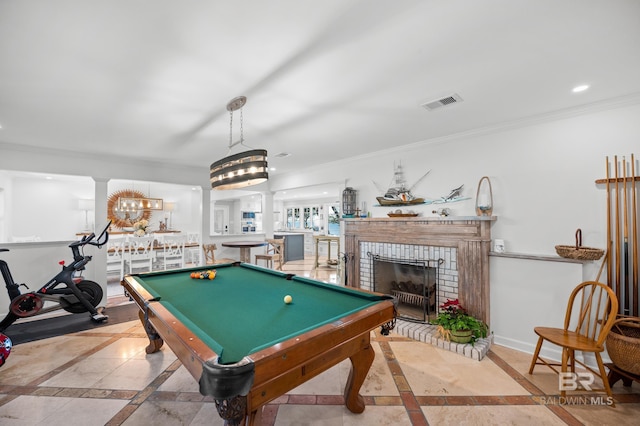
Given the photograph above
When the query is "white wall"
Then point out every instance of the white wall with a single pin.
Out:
(44, 208)
(543, 177)
(526, 294)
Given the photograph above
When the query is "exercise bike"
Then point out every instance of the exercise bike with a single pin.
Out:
(68, 290)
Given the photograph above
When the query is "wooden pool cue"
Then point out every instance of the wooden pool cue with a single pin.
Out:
(636, 311)
(617, 232)
(608, 258)
(625, 249)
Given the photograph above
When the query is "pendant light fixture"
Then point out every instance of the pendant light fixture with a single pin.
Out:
(243, 169)
(133, 203)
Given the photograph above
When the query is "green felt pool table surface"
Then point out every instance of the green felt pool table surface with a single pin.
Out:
(242, 310)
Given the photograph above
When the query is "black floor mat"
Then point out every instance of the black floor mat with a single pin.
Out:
(71, 323)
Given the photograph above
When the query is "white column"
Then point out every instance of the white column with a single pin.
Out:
(206, 214)
(267, 213)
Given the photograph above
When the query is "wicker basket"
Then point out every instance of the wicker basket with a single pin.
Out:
(623, 344)
(579, 252)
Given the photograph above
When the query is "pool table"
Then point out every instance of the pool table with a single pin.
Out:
(245, 345)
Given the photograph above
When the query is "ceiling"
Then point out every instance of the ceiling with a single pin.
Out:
(324, 80)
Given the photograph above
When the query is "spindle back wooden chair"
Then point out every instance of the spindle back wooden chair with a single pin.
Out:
(274, 254)
(591, 312)
(210, 255)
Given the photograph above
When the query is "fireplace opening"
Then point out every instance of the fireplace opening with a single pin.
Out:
(414, 283)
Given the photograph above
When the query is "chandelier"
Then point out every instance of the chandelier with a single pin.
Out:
(243, 169)
(133, 204)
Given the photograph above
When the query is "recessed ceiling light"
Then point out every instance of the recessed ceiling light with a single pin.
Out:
(580, 88)
(283, 155)
(273, 169)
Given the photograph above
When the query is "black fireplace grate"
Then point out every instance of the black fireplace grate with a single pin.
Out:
(413, 282)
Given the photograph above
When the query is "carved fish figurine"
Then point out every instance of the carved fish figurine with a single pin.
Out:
(455, 193)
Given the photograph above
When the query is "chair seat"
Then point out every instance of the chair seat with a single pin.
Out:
(268, 256)
(568, 339)
(270, 259)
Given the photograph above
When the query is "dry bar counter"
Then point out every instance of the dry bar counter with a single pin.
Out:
(245, 345)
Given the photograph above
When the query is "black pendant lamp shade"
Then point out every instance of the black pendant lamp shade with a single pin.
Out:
(240, 170)
(243, 169)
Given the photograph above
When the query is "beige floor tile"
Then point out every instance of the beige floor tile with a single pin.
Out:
(68, 346)
(135, 374)
(86, 411)
(86, 373)
(316, 415)
(305, 268)
(207, 416)
(123, 327)
(622, 414)
(14, 373)
(377, 416)
(436, 372)
(543, 377)
(44, 356)
(180, 381)
(167, 413)
(379, 379)
(310, 415)
(125, 348)
(31, 410)
(520, 415)
(516, 359)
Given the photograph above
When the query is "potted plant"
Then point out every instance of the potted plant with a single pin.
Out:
(455, 324)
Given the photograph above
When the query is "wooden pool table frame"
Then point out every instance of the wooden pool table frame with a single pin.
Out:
(276, 369)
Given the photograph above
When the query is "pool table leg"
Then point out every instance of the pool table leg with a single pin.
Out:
(234, 411)
(155, 341)
(360, 364)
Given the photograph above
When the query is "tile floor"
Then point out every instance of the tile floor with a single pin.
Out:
(104, 377)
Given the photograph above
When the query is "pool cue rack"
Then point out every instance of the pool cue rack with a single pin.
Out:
(622, 231)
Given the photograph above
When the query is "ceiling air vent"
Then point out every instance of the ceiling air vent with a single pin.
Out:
(438, 103)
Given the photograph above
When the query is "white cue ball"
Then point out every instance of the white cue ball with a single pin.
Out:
(288, 299)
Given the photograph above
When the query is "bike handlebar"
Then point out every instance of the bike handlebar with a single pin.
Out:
(87, 239)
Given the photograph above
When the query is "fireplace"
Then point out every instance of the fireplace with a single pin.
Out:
(413, 282)
(463, 243)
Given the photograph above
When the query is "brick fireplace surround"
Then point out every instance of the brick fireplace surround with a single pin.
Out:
(462, 242)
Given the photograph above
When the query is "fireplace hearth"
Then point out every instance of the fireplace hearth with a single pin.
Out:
(413, 282)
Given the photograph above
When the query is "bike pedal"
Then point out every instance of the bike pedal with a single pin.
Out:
(99, 317)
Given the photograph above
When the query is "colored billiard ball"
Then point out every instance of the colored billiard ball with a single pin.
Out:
(288, 299)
